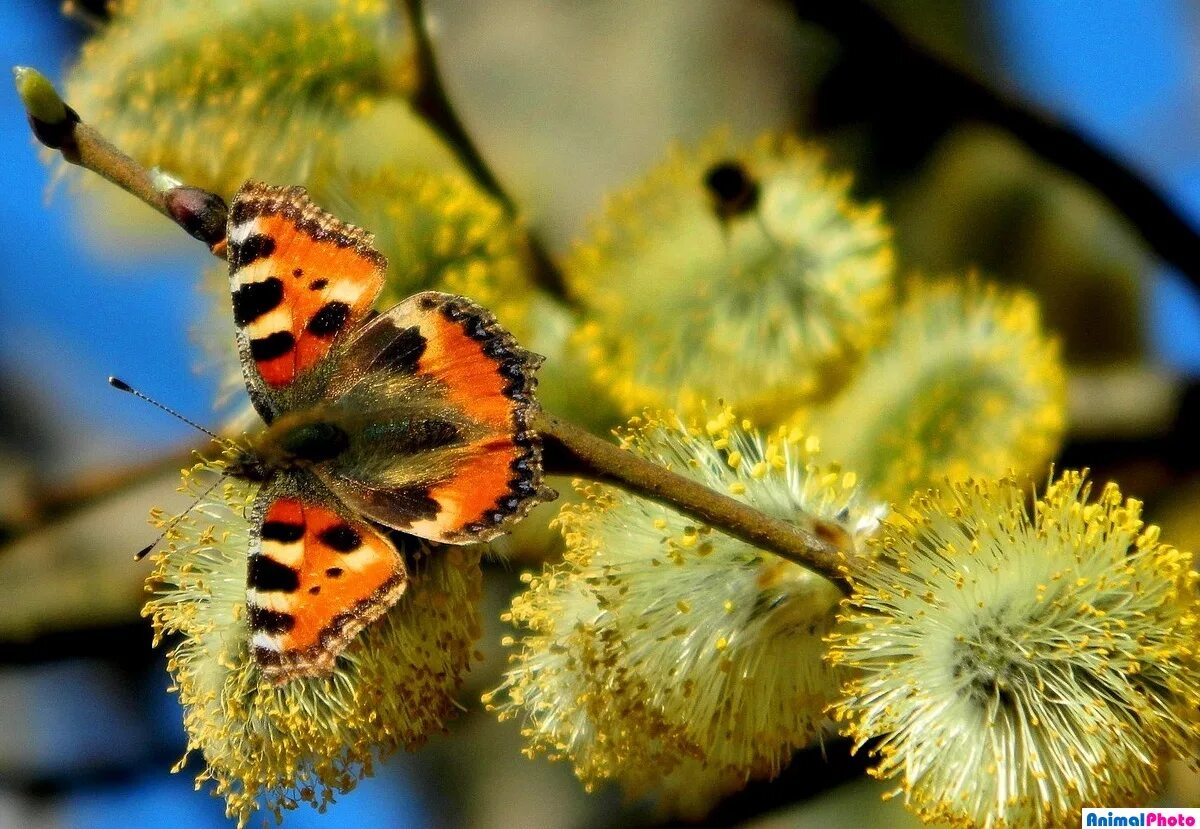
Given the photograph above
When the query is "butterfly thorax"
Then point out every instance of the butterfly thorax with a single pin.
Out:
(299, 440)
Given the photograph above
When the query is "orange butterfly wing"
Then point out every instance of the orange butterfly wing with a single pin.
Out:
(299, 278)
(467, 353)
(314, 580)
(438, 353)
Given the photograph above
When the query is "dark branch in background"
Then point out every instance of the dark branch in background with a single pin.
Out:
(810, 773)
(572, 450)
(903, 70)
(48, 505)
(58, 502)
(429, 98)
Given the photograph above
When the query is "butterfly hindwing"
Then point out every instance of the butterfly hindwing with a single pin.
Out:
(300, 278)
(314, 579)
(449, 378)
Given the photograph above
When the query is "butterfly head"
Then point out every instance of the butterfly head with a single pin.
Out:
(247, 464)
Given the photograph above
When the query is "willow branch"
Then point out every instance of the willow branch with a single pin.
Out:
(199, 212)
(574, 451)
(429, 98)
(59, 127)
(58, 501)
(908, 70)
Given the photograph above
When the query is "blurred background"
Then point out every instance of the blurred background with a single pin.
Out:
(567, 101)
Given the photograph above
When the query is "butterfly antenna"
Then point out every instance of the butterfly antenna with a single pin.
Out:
(145, 551)
(121, 385)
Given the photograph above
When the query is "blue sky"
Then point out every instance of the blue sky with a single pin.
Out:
(1121, 71)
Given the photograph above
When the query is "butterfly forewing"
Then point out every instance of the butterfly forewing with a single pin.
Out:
(314, 579)
(300, 280)
(451, 384)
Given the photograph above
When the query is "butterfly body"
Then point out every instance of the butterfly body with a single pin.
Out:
(295, 444)
(416, 420)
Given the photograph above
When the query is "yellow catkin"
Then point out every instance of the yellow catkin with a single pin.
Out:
(274, 747)
(967, 384)
(680, 681)
(1051, 648)
(763, 309)
(219, 91)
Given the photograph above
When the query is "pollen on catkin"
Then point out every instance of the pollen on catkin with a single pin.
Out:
(966, 385)
(219, 91)
(670, 657)
(1013, 663)
(744, 272)
(274, 747)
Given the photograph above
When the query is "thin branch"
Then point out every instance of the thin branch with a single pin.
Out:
(56, 503)
(908, 70)
(56, 125)
(571, 450)
(59, 127)
(429, 98)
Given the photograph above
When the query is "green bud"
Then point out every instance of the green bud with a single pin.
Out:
(50, 118)
(39, 95)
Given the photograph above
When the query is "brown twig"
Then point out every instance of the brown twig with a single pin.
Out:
(58, 126)
(55, 502)
(905, 69)
(429, 98)
(571, 450)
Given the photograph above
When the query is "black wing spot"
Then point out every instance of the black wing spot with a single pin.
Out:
(415, 501)
(254, 299)
(333, 572)
(242, 212)
(329, 320)
(317, 284)
(476, 327)
(342, 538)
(255, 247)
(314, 590)
(267, 658)
(275, 345)
(404, 352)
(270, 621)
(298, 272)
(281, 531)
(269, 576)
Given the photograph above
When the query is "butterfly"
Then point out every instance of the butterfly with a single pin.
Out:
(417, 419)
